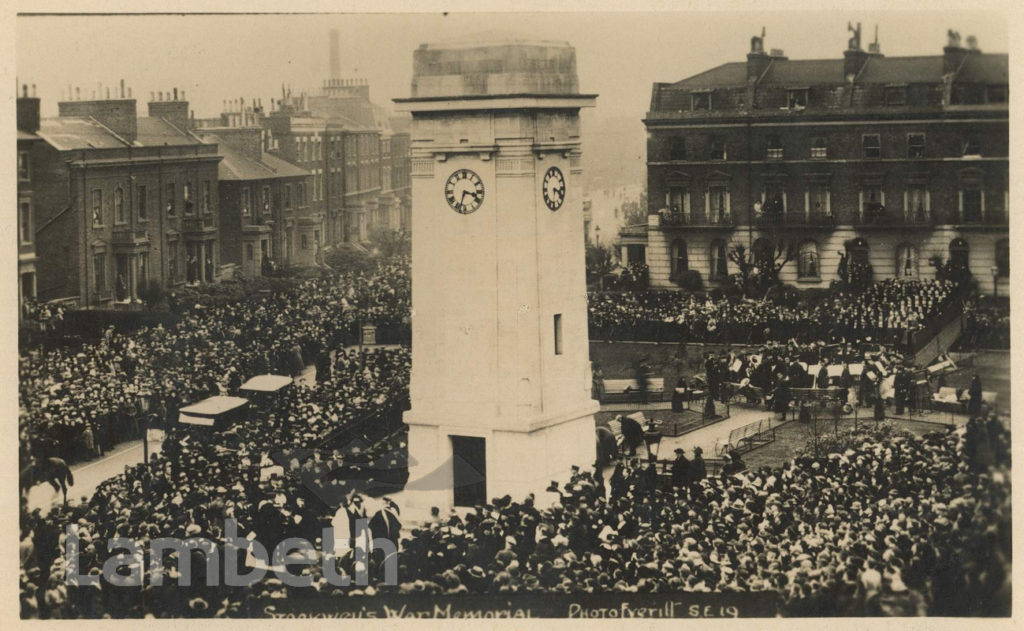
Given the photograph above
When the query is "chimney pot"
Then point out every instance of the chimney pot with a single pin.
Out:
(24, 90)
(129, 93)
(78, 94)
(33, 90)
(122, 88)
(175, 94)
(182, 95)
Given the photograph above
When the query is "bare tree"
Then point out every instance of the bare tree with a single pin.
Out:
(759, 267)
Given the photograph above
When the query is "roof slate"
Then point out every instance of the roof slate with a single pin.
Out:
(77, 132)
(235, 165)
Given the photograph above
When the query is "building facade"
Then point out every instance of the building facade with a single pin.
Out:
(358, 157)
(896, 161)
(121, 201)
(28, 125)
(265, 218)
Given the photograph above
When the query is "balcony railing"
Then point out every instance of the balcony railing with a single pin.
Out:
(989, 218)
(197, 224)
(882, 218)
(795, 219)
(125, 234)
(695, 219)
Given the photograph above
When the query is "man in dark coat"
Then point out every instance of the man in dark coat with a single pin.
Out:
(781, 398)
(698, 471)
(823, 375)
(632, 434)
(385, 524)
(680, 469)
(974, 392)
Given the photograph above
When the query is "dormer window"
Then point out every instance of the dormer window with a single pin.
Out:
(701, 101)
(896, 95)
(997, 94)
(796, 99)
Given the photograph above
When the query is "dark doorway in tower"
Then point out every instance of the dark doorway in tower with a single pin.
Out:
(469, 470)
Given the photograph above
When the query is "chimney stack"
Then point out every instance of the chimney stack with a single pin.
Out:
(173, 111)
(122, 88)
(854, 57)
(28, 110)
(953, 54)
(757, 59)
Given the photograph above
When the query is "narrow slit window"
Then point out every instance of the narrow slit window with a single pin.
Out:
(558, 334)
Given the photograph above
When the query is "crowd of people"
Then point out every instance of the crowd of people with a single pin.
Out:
(78, 401)
(888, 312)
(908, 527)
(269, 474)
(902, 526)
(986, 325)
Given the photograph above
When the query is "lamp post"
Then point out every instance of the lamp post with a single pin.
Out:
(142, 400)
(995, 280)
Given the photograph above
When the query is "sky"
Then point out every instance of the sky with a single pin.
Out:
(619, 55)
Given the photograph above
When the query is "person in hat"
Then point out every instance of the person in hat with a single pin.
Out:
(680, 469)
(698, 470)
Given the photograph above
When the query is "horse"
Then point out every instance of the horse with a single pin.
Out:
(52, 470)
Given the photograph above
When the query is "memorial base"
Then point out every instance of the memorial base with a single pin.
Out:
(517, 462)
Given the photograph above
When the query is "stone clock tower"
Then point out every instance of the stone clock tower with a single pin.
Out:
(501, 382)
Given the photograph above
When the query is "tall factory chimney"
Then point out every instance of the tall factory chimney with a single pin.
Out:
(335, 55)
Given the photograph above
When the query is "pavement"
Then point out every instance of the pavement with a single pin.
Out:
(89, 475)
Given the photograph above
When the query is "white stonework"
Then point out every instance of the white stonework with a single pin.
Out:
(487, 287)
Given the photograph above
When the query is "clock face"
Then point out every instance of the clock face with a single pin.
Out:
(464, 191)
(554, 188)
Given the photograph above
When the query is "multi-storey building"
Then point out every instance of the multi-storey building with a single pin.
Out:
(361, 166)
(264, 212)
(893, 161)
(28, 125)
(122, 200)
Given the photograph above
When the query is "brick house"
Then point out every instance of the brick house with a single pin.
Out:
(264, 212)
(122, 200)
(28, 125)
(892, 160)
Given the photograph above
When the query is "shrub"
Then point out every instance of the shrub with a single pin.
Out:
(690, 280)
(852, 439)
(152, 293)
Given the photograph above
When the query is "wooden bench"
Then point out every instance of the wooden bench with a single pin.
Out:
(745, 438)
(628, 390)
